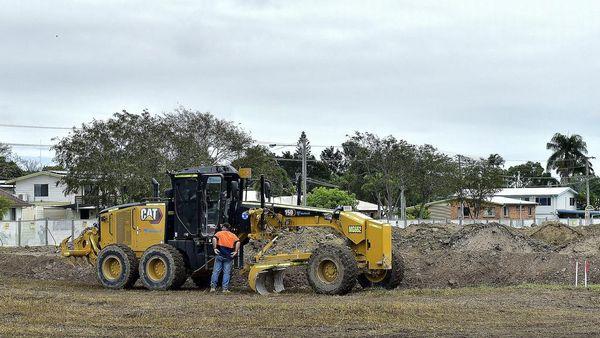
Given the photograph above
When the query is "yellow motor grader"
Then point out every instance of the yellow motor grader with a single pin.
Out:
(164, 241)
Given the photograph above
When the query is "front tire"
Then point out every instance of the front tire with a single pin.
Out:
(332, 270)
(162, 267)
(116, 267)
(389, 279)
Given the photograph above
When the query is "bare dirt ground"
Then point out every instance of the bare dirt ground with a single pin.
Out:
(483, 279)
(67, 308)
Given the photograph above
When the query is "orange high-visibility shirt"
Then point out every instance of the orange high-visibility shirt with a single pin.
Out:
(226, 239)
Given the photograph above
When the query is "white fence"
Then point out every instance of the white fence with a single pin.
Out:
(39, 232)
(509, 222)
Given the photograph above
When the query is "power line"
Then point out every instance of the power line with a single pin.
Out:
(32, 126)
(41, 146)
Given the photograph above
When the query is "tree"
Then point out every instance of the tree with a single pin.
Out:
(495, 160)
(119, 156)
(8, 167)
(5, 205)
(292, 163)
(380, 167)
(479, 181)
(334, 160)
(530, 174)
(569, 155)
(30, 166)
(262, 161)
(322, 197)
(432, 176)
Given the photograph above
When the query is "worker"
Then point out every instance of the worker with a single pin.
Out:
(227, 246)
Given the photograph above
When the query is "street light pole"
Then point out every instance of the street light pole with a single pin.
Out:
(588, 207)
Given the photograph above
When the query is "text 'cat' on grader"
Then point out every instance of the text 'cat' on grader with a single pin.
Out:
(164, 241)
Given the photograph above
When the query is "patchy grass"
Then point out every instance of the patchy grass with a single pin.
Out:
(56, 308)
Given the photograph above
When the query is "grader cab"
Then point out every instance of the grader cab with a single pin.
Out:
(165, 241)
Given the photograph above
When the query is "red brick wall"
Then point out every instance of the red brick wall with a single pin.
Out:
(513, 211)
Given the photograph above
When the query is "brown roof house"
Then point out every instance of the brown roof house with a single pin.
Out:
(15, 211)
(495, 208)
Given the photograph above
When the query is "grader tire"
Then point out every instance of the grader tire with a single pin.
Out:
(393, 277)
(117, 267)
(332, 270)
(162, 267)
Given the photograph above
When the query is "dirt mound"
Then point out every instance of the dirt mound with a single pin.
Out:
(424, 237)
(555, 233)
(584, 246)
(43, 263)
(494, 236)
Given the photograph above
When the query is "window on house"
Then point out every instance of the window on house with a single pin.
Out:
(526, 199)
(572, 201)
(530, 211)
(545, 201)
(466, 211)
(40, 190)
(505, 211)
(489, 212)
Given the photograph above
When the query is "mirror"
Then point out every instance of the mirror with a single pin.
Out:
(267, 190)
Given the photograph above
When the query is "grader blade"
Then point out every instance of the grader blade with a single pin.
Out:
(85, 247)
(269, 281)
(266, 279)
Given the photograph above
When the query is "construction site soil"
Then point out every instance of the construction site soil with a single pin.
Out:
(435, 256)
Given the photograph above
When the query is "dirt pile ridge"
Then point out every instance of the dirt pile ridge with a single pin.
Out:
(494, 236)
(555, 233)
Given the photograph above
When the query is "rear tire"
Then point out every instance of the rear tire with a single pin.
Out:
(332, 270)
(116, 267)
(392, 278)
(162, 267)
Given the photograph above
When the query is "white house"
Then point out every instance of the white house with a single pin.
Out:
(367, 208)
(44, 191)
(550, 201)
(15, 212)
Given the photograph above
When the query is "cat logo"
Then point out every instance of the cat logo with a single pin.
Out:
(154, 215)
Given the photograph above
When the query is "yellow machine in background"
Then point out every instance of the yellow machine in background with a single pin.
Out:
(165, 241)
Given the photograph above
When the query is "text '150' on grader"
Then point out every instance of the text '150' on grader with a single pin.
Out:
(163, 241)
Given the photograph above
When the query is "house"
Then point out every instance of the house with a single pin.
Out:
(46, 194)
(550, 200)
(367, 208)
(7, 187)
(496, 207)
(15, 212)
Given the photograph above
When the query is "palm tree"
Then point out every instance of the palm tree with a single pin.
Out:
(569, 155)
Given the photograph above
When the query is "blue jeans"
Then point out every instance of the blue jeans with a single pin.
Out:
(224, 264)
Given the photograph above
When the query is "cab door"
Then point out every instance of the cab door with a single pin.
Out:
(213, 202)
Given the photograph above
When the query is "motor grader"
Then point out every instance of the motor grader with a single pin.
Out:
(166, 240)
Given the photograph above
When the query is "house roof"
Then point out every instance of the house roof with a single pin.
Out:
(15, 201)
(53, 173)
(547, 191)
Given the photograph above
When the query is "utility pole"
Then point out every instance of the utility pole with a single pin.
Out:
(462, 205)
(303, 144)
(588, 207)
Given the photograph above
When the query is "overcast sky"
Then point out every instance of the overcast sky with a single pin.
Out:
(472, 77)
